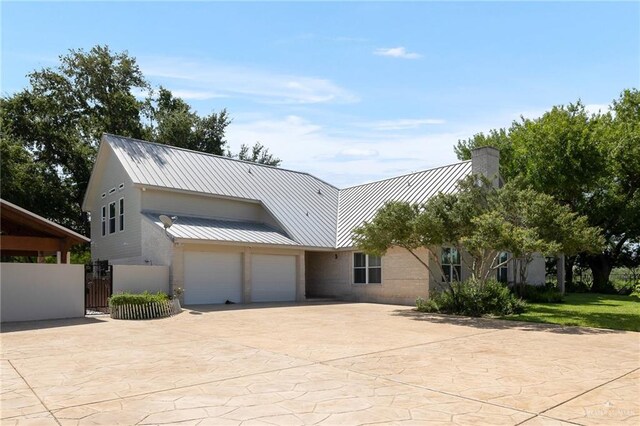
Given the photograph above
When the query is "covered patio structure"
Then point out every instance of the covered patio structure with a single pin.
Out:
(23, 233)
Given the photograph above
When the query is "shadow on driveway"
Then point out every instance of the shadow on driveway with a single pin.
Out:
(497, 324)
(10, 327)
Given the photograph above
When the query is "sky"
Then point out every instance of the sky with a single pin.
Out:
(349, 91)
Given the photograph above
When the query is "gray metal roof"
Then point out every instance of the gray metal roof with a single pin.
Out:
(360, 203)
(312, 212)
(195, 228)
(304, 205)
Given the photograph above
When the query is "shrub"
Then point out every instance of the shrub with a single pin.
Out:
(547, 293)
(474, 299)
(578, 287)
(137, 299)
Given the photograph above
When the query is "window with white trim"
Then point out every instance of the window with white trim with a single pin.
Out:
(121, 213)
(104, 220)
(502, 271)
(112, 217)
(367, 269)
(450, 261)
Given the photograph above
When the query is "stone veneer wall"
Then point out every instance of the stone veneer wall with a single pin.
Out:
(403, 278)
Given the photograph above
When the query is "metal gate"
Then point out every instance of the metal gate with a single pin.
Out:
(98, 286)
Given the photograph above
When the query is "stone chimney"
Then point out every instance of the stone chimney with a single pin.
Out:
(485, 161)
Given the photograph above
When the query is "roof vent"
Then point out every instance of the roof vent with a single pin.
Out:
(319, 192)
(307, 214)
(249, 171)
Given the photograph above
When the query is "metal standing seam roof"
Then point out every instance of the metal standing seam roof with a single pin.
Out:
(195, 228)
(304, 205)
(312, 212)
(360, 203)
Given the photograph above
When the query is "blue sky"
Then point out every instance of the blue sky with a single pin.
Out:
(350, 92)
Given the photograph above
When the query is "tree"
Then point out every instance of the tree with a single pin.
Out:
(258, 154)
(586, 162)
(174, 123)
(482, 221)
(50, 131)
(58, 123)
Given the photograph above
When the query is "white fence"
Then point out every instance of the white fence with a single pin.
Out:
(138, 278)
(38, 291)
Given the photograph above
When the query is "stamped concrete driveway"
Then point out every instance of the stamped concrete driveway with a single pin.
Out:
(332, 364)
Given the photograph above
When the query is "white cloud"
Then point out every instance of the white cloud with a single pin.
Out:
(403, 123)
(343, 160)
(358, 152)
(397, 52)
(197, 95)
(208, 79)
(597, 108)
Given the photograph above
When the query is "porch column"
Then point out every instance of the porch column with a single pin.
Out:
(300, 278)
(561, 272)
(246, 275)
(58, 257)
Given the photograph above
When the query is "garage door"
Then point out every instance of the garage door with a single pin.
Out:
(212, 277)
(273, 278)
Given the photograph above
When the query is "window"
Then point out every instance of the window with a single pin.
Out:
(451, 264)
(104, 220)
(367, 269)
(502, 271)
(121, 213)
(112, 217)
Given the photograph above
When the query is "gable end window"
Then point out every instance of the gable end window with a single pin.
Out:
(104, 220)
(121, 214)
(450, 262)
(367, 269)
(112, 217)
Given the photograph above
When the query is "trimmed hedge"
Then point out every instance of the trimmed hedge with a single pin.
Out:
(137, 299)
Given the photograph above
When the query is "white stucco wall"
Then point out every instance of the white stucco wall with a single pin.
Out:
(139, 278)
(536, 271)
(41, 291)
(121, 247)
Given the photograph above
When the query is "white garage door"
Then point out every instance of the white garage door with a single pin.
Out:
(212, 277)
(273, 278)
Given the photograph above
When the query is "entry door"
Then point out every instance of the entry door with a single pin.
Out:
(273, 278)
(212, 277)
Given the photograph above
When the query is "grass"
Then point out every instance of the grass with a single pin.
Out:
(586, 310)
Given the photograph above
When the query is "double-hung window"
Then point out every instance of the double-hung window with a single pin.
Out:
(450, 262)
(112, 217)
(121, 213)
(502, 271)
(367, 269)
(104, 220)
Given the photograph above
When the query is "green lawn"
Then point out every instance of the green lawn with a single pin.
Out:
(587, 310)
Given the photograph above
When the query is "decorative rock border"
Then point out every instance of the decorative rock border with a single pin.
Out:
(165, 308)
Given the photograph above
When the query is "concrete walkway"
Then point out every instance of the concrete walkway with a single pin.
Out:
(334, 364)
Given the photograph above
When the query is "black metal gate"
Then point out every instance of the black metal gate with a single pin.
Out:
(98, 286)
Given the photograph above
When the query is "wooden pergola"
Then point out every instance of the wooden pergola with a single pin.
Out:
(23, 233)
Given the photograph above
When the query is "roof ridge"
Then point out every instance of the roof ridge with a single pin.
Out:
(405, 175)
(223, 157)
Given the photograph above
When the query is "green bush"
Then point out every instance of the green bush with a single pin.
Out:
(137, 299)
(547, 293)
(578, 287)
(474, 299)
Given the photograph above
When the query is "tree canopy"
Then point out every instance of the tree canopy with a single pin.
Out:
(588, 162)
(482, 221)
(50, 130)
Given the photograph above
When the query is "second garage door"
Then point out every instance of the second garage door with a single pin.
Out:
(212, 277)
(273, 278)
